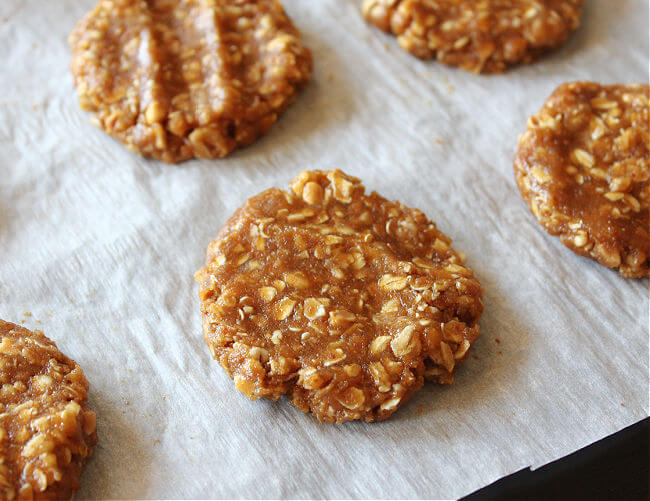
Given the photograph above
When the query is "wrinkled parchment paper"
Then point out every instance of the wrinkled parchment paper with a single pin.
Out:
(100, 247)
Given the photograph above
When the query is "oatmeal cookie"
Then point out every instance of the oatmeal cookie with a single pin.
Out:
(476, 35)
(47, 430)
(582, 167)
(177, 79)
(342, 301)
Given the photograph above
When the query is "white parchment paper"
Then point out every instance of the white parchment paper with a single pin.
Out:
(100, 247)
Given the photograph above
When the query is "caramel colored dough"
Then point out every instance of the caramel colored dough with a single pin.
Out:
(477, 35)
(583, 168)
(47, 430)
(342, 301)
(177, 79)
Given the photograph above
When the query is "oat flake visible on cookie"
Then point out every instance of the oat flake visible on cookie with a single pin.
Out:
(477, 35)
(342, 301)
(177, 79)
(583, 168)
(47, 430)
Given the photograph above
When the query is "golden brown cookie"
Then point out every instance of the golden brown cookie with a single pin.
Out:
(342, 301)
(177, 79)
(583, 168)
(47, 430)
(477, 35)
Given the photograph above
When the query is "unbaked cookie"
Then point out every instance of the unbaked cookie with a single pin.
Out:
(177, 79)
(476, 35)
(342, 301)
(47, 430)
(583, 168)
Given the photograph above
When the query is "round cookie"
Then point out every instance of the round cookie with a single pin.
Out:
(476, 35)
(342, 301)
(47, 430)
(177, 79)
(583, 168)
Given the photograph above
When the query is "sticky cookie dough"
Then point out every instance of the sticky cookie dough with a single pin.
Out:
(177, 79)
(342, 301)
(482, 36)
(583, 169)
(47, 430)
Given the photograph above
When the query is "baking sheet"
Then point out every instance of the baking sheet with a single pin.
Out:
(100, 246)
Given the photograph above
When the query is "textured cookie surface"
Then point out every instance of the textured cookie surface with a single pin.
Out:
(47, 430)
(344, 302)
(177, 79)
(583, 168)
(476, 35)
